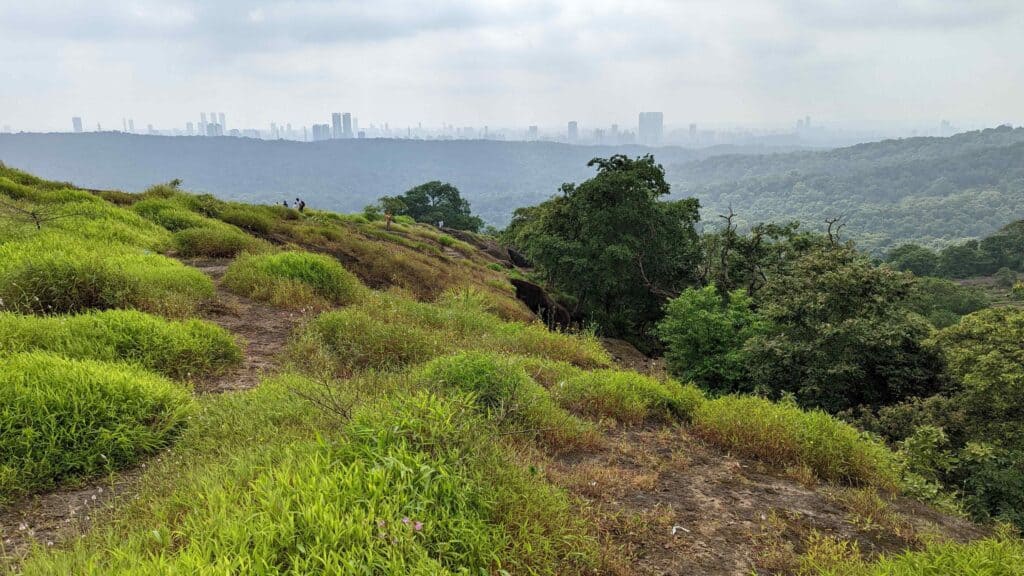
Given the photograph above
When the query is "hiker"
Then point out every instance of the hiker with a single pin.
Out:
(387, 220)
(285, 203)
(302, 205)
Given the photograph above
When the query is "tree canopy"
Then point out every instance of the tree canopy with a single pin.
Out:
(437, 203)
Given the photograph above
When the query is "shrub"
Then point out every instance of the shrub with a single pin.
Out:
(168, 214)
(628, 396)
(180, 350)
(65, 418)
(55, 273)
(216, 242)
(1005, 278)
(782, 434)
(446, 240)
(508, 395)
(293, 279)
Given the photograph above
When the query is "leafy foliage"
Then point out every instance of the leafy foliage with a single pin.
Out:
(437, 203)
(613, 245)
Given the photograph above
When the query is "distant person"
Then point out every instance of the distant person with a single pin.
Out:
(388, 217)
(285, 203)
(302, 205)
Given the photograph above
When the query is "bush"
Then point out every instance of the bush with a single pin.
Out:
(56, 274)
(183, 350)
(704, 337)
(293, 279)
(782, 434)
(168, 214)
(508, 395)
(628, 396)
(62, 419)
(216, 242)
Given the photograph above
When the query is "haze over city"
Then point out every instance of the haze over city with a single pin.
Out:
(493, 69)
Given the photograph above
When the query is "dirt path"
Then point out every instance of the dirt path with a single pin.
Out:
(53, 517)
(681, 507)
(266, 330)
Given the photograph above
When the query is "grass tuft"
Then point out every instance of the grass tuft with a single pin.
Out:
(628, 397)
(62, 419)
(293, 280)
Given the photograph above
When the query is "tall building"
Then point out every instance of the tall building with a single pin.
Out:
(335, 125)
(650, 128)
(220, 120)
(202, 123)
(574, 131)
(321, 132)
(131, 125)
(346, 125)
(189, 129)
(124, 124)
(531, 133)
(76, 123)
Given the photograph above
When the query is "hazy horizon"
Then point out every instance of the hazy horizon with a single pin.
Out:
(513, 64)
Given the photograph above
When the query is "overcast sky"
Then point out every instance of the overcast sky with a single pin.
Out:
(872, 63)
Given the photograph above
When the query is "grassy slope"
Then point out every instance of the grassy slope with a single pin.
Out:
(399, 436)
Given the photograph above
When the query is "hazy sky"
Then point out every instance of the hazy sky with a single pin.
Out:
(511, 63)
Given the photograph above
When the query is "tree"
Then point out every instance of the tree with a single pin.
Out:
(704, 337)
(914, 258)
(838, 334)
(1005, 278)
(437, 203)
(613, 246)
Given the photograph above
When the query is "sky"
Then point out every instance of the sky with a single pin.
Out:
(760, 63)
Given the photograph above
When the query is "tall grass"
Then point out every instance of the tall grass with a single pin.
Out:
(783, 435)
(62, 419)
(628, 396)
(502, 388)
(410, 486)
(182, 350)
(389, 332)
(293, 279)
(216, 242)
(57, 273)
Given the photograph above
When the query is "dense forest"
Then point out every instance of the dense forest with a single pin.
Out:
(933, 191)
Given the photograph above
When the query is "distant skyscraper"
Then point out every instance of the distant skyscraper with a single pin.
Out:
(335, 125)
(346, 125)
(76, 124)
(362, 134)
(202, 123)
(531, 133)
(214, 129)
(574, 131)
(124, 124)
(355, 125)
(220, 120)
(322, 132)
(189, 128)
(131, 126)
(650, 128)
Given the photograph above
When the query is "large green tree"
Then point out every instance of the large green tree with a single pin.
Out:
(613, 245)
(839, 335)
(437, 203)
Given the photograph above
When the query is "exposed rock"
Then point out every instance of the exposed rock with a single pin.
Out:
(537, 299)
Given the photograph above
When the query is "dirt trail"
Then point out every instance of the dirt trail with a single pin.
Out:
(266, 330)
(53, 517)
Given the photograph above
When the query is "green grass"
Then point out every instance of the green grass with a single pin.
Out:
(391, 332)
(996, 556)
(293, 279)
(216, 242)
(168, 214)
(783, 435)
(62, 419)
(628, 397)
(55, 273)
(338, 505)
(182, 350)
(509, 397)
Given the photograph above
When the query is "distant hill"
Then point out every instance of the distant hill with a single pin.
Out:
(344, 175)
(935, 191)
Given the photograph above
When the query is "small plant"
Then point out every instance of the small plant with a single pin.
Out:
(65, 419)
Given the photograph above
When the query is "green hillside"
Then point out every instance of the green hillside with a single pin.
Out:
(196, 386)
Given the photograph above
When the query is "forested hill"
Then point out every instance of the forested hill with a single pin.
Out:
(345, 175)
(934, 191)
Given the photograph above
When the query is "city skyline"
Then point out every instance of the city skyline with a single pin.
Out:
(515, 63)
